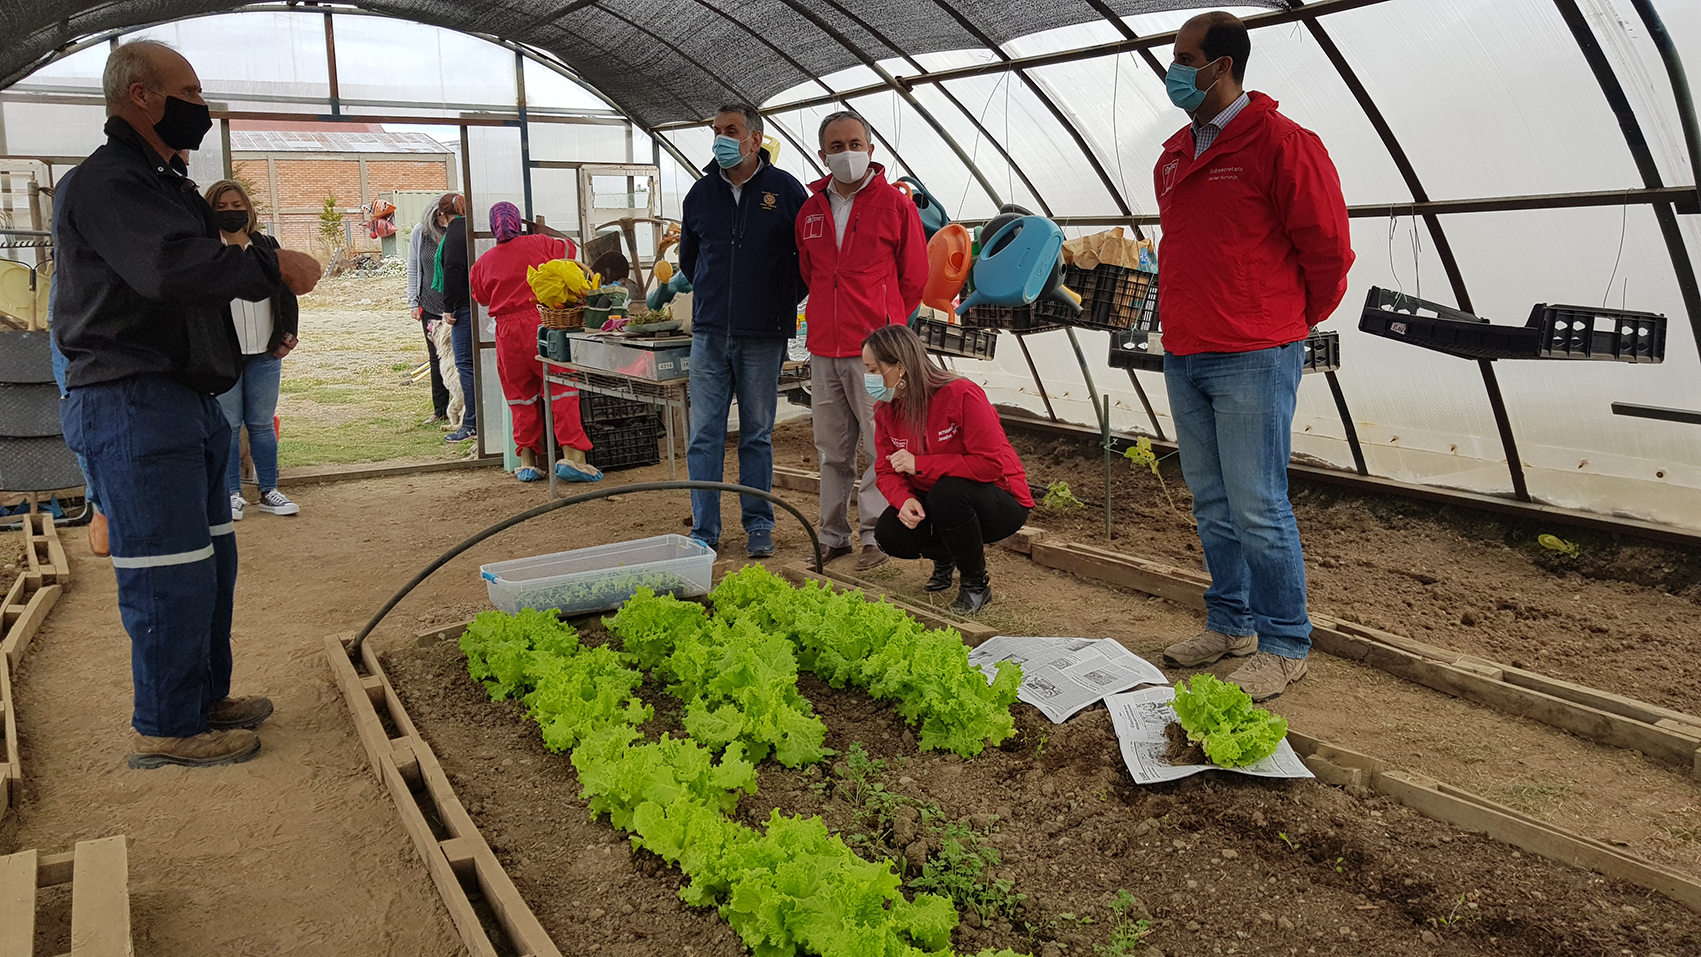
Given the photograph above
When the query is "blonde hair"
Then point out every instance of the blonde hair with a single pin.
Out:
(223, 186)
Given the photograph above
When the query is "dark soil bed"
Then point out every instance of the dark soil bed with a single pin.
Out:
(1616, 618)
(1219, 863)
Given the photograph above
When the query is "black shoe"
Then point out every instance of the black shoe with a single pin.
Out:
(941, 578)
(974, 596)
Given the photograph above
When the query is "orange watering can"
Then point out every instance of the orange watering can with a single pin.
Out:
(948, 262)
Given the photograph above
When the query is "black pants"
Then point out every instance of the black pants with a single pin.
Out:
(962, 516)
(439, 391)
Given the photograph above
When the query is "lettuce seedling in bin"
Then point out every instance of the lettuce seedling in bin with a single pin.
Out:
(1220, 718)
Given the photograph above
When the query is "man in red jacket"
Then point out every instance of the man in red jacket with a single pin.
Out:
(1255, 252)
(861, 250)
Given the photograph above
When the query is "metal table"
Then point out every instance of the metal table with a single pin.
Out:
(668, 395)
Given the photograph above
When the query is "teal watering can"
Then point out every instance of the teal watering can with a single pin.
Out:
(933, 217)
(1017, 264)
(663, 294)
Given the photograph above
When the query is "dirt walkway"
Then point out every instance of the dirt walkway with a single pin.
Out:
(299, 851)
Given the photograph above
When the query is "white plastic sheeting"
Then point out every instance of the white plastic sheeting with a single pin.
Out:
(1486, 97)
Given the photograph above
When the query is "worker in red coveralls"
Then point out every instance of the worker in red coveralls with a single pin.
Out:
(499, 283)
(944, 464)
(863, 254)
(1255, 252)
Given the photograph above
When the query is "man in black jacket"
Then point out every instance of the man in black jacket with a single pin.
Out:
(144, 292)
(738, 245)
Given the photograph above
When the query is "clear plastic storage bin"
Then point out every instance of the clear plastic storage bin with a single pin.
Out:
(602, 577)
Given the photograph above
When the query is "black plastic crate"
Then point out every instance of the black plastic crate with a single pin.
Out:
(1113, 297)
(1322, 352)
(611, 410)
(625, 446)
(1614, 335)
(1022, 320)
(1136, 349)
(954, 340)
(1394, 315)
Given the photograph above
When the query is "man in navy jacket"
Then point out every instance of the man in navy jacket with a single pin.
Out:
(738, 246)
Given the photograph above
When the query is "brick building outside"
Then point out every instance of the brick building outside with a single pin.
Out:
(292, 167)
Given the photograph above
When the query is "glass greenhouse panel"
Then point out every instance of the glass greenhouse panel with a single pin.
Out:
(582, 142)
(954, 184)
(52, 129)
(555, 197)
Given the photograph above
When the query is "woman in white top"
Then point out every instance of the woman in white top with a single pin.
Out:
(267, 332)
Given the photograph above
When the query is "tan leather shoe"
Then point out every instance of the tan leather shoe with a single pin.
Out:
(872, 557)
(207, 749)
(1208, 646)
(97, 535)
(244, 712)
(1268, 675)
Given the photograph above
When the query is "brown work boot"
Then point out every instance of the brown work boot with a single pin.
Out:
(1267, 675)
(244, 712)
(97, 535)
(206, 749)
(1208, 646)
(872, 557)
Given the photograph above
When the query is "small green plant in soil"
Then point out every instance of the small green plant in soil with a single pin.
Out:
(1128, 931)
(959, 871)
(1141, 456)
(1058, 496)
(857, 781)
(1554, 543)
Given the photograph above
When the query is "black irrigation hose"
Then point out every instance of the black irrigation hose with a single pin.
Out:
(547, 507)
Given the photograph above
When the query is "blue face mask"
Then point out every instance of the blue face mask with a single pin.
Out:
(1182, 84)
(727, 152)
(876, 385)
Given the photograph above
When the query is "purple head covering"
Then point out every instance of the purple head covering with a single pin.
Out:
(505, 221)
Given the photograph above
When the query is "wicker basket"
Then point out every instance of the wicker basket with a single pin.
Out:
(572, 317)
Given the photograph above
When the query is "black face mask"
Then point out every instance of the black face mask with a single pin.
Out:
(184, 123)
(233, 220)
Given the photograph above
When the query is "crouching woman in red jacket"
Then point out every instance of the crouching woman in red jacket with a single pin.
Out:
(943, 462)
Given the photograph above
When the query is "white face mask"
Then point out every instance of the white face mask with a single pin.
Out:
(848, 166)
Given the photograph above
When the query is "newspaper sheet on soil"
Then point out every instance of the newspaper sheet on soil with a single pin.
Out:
(1139, 718)
(1060, 676)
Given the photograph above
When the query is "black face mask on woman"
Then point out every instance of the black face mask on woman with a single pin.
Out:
(184, 123)
(233, 220)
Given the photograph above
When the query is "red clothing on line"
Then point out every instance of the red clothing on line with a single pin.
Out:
(874, 279)
(964, 438)
(1255, 246)
(499, 283)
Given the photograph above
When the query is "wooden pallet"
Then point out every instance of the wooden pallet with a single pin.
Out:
(24, 609)
(1672, 737)
(459, 858)
(99, 875)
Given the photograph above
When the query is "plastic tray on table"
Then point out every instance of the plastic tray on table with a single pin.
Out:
(951, 339)
(602, 577)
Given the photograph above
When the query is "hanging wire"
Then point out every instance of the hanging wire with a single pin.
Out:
(1393, 226)
(1009, 173)
(974, 152)
(1623, 222)
(1115, 114)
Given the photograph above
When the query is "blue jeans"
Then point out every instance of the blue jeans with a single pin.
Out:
(158, 453)
(252, 401)
(722, 367)
(1234, 424)
(461, 336)
(60, 364)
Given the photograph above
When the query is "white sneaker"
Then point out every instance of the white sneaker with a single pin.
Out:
(237, 504)
(274, 502)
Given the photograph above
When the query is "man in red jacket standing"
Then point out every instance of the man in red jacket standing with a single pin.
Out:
(861, 250)
(1255, 252)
